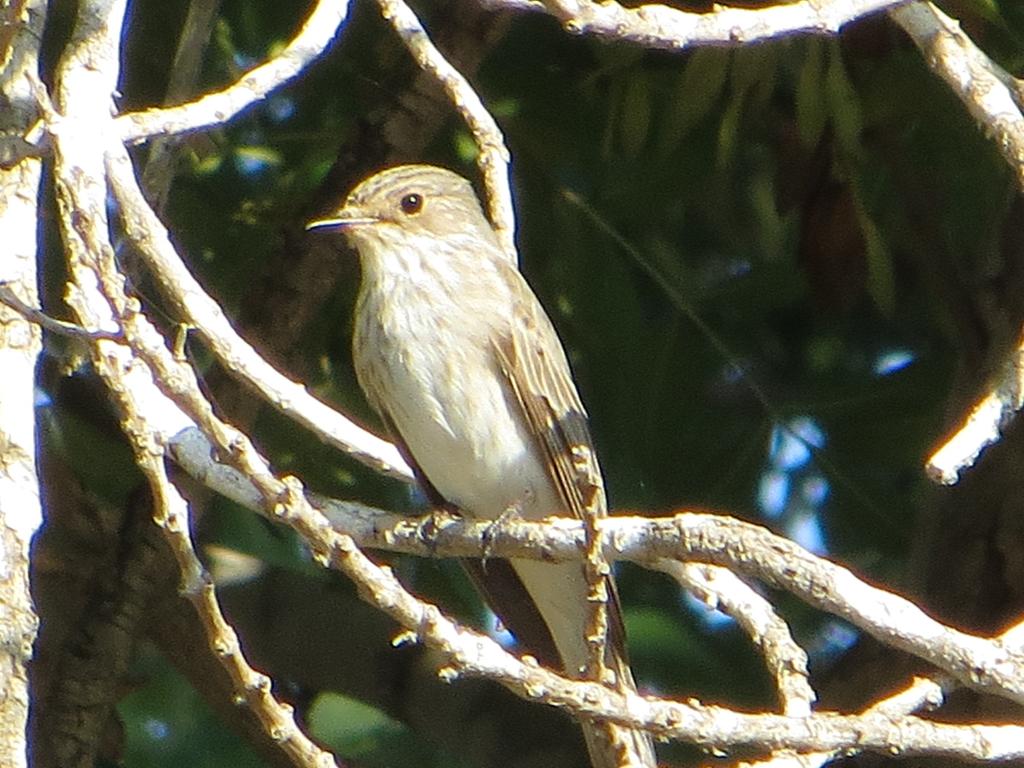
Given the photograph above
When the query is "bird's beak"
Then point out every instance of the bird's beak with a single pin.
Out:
(345, 218)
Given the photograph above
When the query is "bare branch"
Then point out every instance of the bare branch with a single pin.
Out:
(991, 95)
(494, 157)
(720, 588)
(994, 665)
(993, 98)
(217, 108)
(126, 378)
(476, 655)
(47, 323)
(235, 354)
(921, 693)
(668, 28)
(982, 427)
(985, 664)
(97, 296)
(21, 512)
(473, 654)
(171, 514)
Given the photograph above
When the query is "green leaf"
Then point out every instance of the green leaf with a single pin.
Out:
(635, 119)
(359, 732)
(881, 280)
(697, 90)
(811, 103)
(844, 104)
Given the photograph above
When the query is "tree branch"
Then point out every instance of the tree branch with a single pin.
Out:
(993, 97)
(97, 296)
(494, 157)
(994, 665)
(217, 108)
(921, 693)
(20, 345)
(472, 654)
(235, 354)
(990, 93)
(667, 28)
(720, 588)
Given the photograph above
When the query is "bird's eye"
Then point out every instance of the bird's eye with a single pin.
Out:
(412, 203)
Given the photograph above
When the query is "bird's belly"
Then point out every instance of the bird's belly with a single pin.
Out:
(463, 432)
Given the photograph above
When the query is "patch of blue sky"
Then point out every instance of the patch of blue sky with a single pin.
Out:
(832, 640)
(710, 618)
(156, 729)
(892, 360)
(806, 530)
(773, 492)
(498, 632)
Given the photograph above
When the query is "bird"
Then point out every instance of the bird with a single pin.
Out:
(455, 352)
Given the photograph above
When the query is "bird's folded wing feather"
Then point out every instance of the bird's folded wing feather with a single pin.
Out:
(535, 368)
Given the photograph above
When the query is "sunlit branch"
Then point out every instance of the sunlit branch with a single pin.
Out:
(493, 157)
(235, 354)
(994, 665)
(993, 97)
(214, 109)
(667, 28)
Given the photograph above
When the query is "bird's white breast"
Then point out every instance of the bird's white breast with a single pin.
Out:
(448, 399)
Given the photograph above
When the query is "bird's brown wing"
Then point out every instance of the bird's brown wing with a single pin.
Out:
(533, 362)
(537, 373)
(534, 365)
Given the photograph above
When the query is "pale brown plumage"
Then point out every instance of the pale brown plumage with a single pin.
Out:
(455, 352)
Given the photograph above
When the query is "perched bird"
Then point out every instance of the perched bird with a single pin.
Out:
(456, 354)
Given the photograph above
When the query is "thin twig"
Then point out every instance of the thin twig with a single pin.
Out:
(992, 96)
(921, 693)
(493, 157)
(170, 512)
(216, 108)
(596, 569)
(44, 321)
(720, 588)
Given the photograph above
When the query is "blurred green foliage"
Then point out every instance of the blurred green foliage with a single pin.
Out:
(728, 241)
(167, 723)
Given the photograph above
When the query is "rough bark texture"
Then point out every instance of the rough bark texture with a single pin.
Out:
(20, 512)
